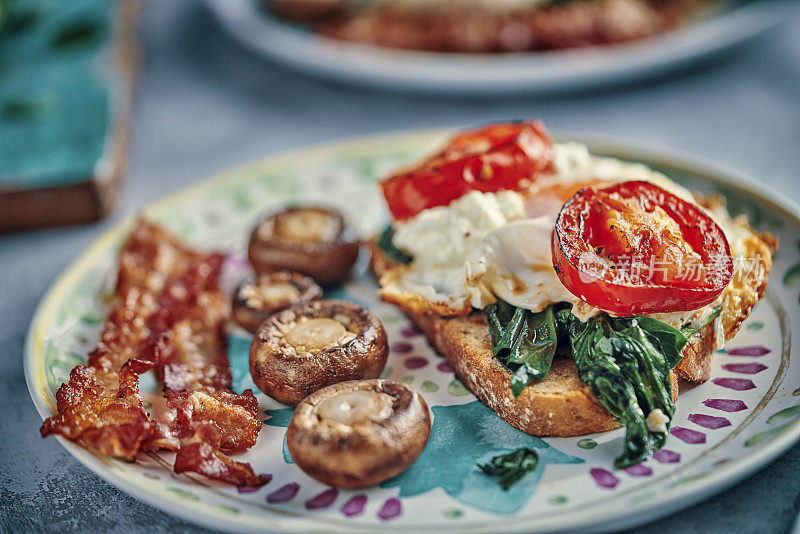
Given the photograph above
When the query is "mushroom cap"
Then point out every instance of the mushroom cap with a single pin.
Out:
(363, 453)
(312, 240)
(288, 370)
(250, 310)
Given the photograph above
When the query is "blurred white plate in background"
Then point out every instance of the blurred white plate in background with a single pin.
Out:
(495, 73)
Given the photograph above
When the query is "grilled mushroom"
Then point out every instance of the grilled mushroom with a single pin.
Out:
(359, 433)
(302, 349)
(259, 297)
(311, 240)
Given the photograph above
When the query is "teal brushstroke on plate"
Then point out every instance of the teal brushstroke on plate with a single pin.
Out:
(280, 418)
(463, 435)
(239, 356)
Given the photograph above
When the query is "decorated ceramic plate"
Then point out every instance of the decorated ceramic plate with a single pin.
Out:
(504, 73)
(723, 430)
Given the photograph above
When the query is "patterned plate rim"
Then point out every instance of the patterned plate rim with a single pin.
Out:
(671, 499)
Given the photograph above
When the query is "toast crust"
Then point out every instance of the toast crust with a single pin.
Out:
(560, 405)
(695, 365)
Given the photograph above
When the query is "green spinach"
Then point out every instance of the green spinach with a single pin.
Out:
(626, 364)
(523, 341)
(625, 361)
(511, 467)
(392, 252)
(692, 329)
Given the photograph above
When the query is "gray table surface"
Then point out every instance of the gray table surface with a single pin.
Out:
(204, 105)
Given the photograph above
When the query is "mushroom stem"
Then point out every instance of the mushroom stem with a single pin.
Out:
(359, 406)
(318, 334)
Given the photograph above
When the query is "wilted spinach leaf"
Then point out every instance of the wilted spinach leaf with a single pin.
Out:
(511, 467)
(387, 246)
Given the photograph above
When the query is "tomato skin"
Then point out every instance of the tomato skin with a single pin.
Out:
(581, 236)
(489, 159)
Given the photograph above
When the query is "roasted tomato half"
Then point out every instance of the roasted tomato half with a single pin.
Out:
(633, 248)
(489, 159)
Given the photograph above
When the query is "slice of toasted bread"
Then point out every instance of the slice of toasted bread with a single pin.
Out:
(560, 405)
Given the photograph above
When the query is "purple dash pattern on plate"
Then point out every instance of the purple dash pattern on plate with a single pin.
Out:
(265, 477)
(745, 368)
(410, 331)
(390, 509)
(444, 367)
(604, 479)
(736, 384)
(284, 494)
(666, 456)
(726, 405)
(402, 347)
(639, 470)
(753, 350)
(354, 506)
(322, 500)
(709, 421)
(692, 437)
(416, 362)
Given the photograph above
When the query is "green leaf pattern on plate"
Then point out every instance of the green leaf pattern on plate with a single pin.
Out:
(184, 494)
(456, 388)
(789, 415)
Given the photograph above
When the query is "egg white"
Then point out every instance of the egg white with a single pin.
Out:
(485, 246)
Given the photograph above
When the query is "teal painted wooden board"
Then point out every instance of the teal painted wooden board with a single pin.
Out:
(62, 95)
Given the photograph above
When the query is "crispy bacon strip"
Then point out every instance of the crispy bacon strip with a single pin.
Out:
(151, 263)
(200, 457)
(227, 420)
(170, 316)
(202, 427)
(151, 258)
(101, 411)
(192, 312)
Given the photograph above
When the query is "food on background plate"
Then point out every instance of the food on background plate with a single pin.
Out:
(302, 349)
(258, 297)
(479, 26)
(568, 297)
(358, 433)
(308, 10)
(315, 241)
(169, 316)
